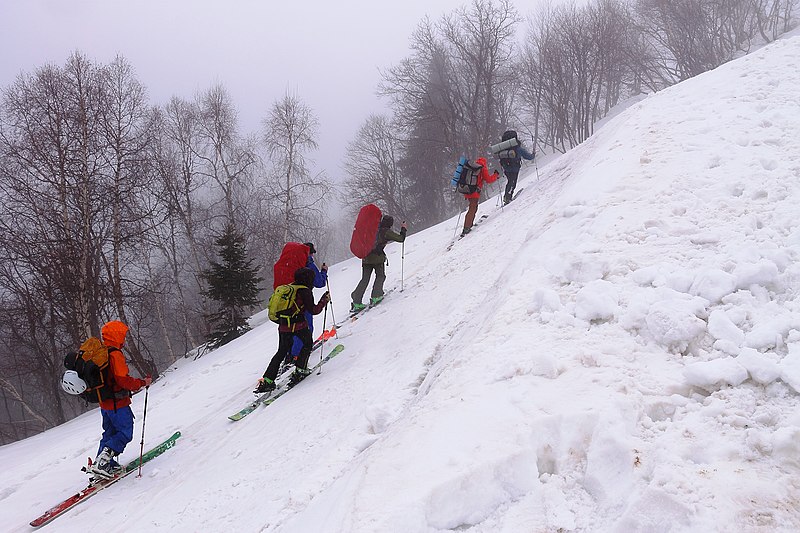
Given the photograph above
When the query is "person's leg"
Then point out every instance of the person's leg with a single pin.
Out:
(108, 430)
(284, 347)
(307, 341)
(469, 218)
(296, 344)
(380, 278)
(122, 420)
(358, 294)
(511, 184)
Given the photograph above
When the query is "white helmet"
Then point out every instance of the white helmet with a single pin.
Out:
(72, 383)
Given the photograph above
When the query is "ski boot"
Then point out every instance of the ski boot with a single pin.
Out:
(507, 198)
(106, 466)
(355, 307)
(375, 300)
(298, 375)
(264, 385)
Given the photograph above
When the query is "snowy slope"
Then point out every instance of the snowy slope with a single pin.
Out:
(617, 350)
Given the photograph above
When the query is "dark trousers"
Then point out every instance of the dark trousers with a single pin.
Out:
(366, 274)
(511, 184)
(285, 339)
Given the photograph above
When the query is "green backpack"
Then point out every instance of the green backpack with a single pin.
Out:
(282, 304)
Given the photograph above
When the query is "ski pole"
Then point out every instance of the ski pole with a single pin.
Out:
(500, 197)
(322, 346)
(333, 315)
(402, 263)
(144, 421)
(457, 222)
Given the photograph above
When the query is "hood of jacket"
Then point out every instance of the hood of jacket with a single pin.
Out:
(304, 276)
(114, 333)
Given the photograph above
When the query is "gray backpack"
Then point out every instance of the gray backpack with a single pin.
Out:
(468, 180)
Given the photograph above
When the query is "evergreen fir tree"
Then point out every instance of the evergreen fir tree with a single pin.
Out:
(233, 283)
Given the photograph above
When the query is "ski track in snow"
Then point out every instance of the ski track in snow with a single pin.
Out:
(616, 350)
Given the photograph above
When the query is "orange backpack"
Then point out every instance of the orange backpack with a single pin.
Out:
(92, 365)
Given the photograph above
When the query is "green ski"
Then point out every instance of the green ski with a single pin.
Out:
(269, 397)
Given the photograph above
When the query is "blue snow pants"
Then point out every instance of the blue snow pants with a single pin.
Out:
(117, 429)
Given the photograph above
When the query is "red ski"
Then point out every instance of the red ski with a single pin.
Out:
(94, 488)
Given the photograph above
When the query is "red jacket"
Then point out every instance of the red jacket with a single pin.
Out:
(483, 177)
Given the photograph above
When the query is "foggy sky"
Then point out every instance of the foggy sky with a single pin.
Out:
(327, 52)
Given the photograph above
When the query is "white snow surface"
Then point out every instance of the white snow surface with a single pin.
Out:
(617, 350)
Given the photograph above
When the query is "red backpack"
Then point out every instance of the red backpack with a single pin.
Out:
(294, 256)
(363, 240)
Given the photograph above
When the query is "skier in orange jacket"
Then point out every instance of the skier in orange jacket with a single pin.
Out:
(116, 410)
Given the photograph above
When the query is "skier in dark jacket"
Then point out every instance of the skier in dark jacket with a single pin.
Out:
(376, 260)
(295, 326)
(512, 164)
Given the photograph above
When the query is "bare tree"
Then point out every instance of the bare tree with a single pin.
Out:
(227, 159)
(480, 45)
(774, 17)
(127, 132)
(372, 165)
(579, 61)
(51, 229)
(452, 97)
(185, 233)
(290, 131)
(70, 161)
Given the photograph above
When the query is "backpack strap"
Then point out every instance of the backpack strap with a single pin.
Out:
(297, 315)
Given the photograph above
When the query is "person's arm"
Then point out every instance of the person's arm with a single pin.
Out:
(394, 236)
(323, 301)
(525, 154)
(320, 276)
(120, 370)
(485, 177)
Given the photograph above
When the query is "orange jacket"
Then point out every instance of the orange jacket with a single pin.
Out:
(113, 334)
(120, 380)
(483, 177)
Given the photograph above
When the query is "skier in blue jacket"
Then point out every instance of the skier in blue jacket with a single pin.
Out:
(320, 281)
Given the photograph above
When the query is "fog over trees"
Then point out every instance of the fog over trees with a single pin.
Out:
(112, 205)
